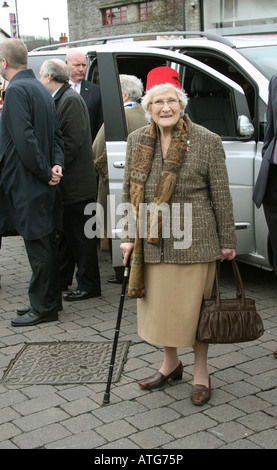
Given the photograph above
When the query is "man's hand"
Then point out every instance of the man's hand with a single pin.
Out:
(56, 175)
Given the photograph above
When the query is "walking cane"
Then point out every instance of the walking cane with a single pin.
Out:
(106, 398)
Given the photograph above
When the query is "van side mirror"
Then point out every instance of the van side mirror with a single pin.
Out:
(244, 127)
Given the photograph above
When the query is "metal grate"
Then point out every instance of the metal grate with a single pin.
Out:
(67, 362)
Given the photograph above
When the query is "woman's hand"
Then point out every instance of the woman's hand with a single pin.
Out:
(127, 249)
(227, 253)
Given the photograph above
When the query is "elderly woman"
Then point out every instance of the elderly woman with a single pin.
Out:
(175, 163)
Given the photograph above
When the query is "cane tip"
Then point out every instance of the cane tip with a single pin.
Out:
(106, 399)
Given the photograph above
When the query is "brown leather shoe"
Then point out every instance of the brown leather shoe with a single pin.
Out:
(201, 394)
(275, 354)
(158, 379)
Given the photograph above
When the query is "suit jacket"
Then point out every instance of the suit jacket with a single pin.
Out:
(79, 181)
(30, 144)
(91, 93)
(269, 142)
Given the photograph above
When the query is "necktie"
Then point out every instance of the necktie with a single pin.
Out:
(74, 86)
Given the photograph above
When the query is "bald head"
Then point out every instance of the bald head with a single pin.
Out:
(77, 65)
(53, 73)
(56, 68)
(14, 57)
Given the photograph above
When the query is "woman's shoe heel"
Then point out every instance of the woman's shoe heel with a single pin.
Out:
(178, 377)
(179, 372)
(158, 379)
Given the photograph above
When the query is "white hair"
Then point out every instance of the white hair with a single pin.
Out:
(132, 85)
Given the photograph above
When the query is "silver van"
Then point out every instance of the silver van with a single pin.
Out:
(227, 83)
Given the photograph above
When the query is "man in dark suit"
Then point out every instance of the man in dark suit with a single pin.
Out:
(77, 65)
(265, 191)
(78, 186)
(32, 159)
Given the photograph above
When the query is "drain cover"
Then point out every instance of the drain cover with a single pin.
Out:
(65, 363)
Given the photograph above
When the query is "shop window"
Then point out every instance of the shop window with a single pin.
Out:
(172, 6)
(115, 15)
(145, 9)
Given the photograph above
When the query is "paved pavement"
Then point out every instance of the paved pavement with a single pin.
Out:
(242, 413)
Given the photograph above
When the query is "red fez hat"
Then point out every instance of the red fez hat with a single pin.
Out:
(161, 75)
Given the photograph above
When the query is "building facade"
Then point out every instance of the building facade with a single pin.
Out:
(240, 16)
(95, 18)
(98, 18)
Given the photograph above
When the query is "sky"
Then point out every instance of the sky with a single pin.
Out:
(31, 14)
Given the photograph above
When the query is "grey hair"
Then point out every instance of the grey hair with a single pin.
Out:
(15, 52)
(132, 85)
(57, 69)
(159, 89)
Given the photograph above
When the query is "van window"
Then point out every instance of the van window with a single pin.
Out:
(35, 62)
(138, 65)
(264, 58)
(210, 102)
(228, 69)
(210, 105)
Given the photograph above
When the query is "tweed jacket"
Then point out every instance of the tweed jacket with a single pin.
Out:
(202, 183)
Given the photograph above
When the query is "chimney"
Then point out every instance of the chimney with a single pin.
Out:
(63, 38)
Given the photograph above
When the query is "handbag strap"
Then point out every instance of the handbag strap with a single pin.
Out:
(240, 293)
(238, 281)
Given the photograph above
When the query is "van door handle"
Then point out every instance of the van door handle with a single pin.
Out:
(119, 164)
(242, 225)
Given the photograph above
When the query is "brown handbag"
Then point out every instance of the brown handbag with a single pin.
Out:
(229, 320)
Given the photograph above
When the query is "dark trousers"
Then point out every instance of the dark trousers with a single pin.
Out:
(67, 263)
(118, 270)
(76, 249)
(44, 293)
(270, 209)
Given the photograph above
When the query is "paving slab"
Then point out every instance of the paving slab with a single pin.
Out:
(242, 412)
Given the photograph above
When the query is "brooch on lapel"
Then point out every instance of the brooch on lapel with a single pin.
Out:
(183, 137)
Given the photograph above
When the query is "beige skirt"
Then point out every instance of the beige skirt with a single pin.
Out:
(168, 314)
